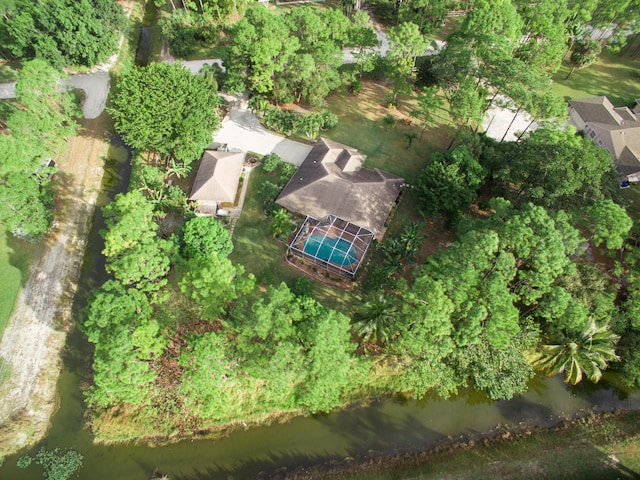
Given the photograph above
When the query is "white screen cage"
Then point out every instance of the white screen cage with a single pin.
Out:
(333, 244)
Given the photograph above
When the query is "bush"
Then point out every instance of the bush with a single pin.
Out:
(286, 172)
(271, 162)
(302, 287)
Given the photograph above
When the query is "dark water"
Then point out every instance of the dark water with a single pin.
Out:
(386, 425)
(145, 43)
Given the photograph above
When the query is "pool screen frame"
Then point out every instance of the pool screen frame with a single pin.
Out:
(360, 238)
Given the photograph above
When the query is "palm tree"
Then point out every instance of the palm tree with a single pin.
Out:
(410, 136)
(587, 354)
(375, 319)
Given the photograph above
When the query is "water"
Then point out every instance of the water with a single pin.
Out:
(334, 250)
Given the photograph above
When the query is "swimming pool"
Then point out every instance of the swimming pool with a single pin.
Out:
(334, 250)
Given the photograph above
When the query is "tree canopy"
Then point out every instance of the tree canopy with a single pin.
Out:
(36, 132)
(165, 108)
(62, 32)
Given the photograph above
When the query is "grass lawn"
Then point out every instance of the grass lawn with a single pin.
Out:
(15, 257)
(614, 76)
(601, 447)
(361, 127)
(261, 254)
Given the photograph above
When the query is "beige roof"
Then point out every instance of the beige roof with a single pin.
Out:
(331, 180)
(618, 128)
(218, 176)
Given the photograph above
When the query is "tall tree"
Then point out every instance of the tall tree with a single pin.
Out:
(62, 32)
(165, 108)
(37, 131)
(585, 52)
(586, 354)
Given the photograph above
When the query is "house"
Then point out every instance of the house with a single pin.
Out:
(346, 206)
(217, 181)
(615, 128)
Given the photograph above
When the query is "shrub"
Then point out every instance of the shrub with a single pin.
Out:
(329, 120)
(271, 162)
(302, 287)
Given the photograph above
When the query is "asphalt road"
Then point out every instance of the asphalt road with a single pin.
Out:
(94, 85)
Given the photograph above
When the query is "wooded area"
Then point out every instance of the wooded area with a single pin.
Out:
(541, 275)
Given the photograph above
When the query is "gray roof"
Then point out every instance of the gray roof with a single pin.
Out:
(597, 110)
(218, 176)
(331, 180)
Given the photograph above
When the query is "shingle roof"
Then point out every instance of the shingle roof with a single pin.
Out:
(331, 180)
(618, 128)
(218, 176)
(597, 110)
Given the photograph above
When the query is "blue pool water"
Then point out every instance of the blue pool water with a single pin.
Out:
(334, 250)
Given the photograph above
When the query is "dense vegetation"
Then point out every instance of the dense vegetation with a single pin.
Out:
(62, 32)
(36, 131)
(166, 109)
(542, 274)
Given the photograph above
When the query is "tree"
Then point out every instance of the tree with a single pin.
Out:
(428, 15)
(587, 353)
(331, 367)
(364, 39)
(450, 183)
(203, 237)
(545, 32)
(165, 108)
(214, 283)
(585, 52)
(36, 132)
(425, 339)
(405, 44)
(609, 223)
(135, 254)
(376, 319)
(428, 104)
(554, 168)
(62, 32)
(281, 223)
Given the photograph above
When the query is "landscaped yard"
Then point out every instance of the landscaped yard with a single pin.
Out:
(263, 255)
(361, 127)
(614, 76)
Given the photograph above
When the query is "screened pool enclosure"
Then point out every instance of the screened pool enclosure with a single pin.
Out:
(333, 244)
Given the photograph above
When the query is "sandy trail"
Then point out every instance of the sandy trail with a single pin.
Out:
(34, 338)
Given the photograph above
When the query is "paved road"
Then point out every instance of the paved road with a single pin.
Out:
(95, 86)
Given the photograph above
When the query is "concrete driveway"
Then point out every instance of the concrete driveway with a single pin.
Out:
(241, 130)
(498, 125)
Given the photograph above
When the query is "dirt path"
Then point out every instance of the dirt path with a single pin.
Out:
(31, 344)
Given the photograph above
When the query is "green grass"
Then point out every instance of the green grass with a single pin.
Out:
(15, 257)
(205, 52)
(361, 127)
(615, 76)
(262, 255)
(603, 447)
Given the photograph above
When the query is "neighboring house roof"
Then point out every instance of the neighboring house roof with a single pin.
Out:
(615, 128)
(218, 177)
(332, 180)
